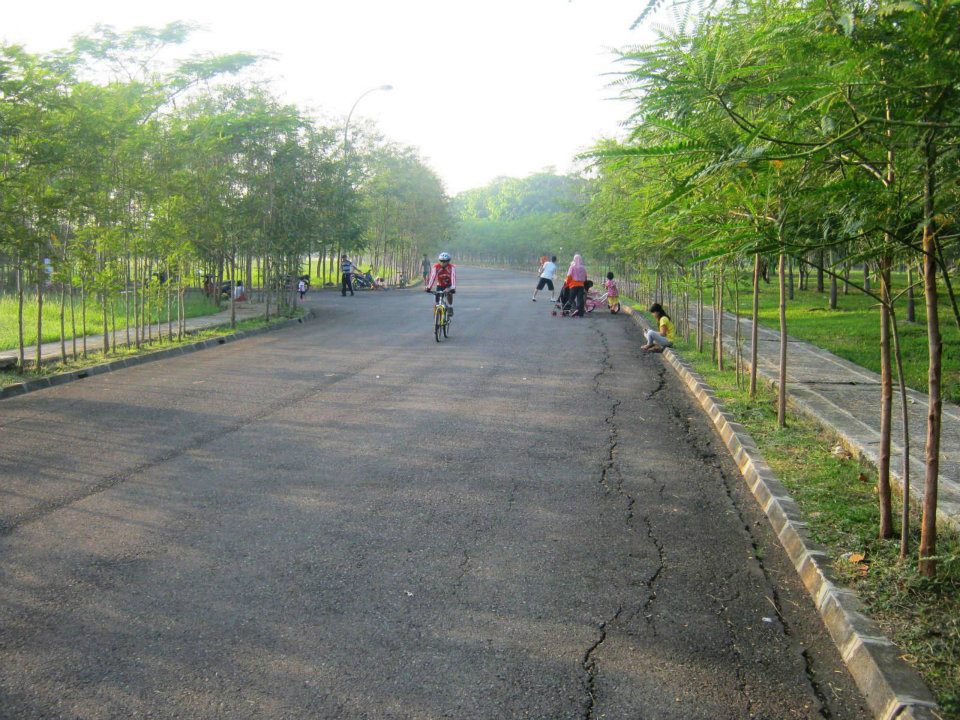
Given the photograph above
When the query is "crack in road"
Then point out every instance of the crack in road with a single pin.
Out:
(661, 381)
(463, 567)
(589, 666)
(652, 580)
(709, 459)
(612, 483)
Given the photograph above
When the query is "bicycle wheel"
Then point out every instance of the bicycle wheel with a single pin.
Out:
(438, 322)
(615, 308)
(446, 324)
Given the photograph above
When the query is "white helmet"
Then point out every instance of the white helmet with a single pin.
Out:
(444, 256)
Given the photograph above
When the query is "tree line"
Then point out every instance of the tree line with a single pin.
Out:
(513, 221)
(822, 136)
(129, 175)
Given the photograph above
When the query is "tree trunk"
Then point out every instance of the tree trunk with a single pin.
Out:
(63, 322)
(782, 389)
(104, 298)
(753, 328)
(699, 308)
(137, 304)
(126, 301)
(905, 419)
(83, 315)
(21, 362)
(928, 531)
(790, 278)
(73, 320)
(159, 304)
(737, 337)
(40, 278)
(718, 320)
(820, 262)
(713, 312)
(106, 322)
(833, 286)
(911, 301)
(886, 401)
(233, 291)
(267, 285)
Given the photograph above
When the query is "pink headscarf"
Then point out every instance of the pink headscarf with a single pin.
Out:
(577, 269)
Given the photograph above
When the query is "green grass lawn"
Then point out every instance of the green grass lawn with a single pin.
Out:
(838, 499)
(96, 357)
(852, 331)
(196, 305)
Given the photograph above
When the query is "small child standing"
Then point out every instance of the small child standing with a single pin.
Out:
(302, 288)
(613, 293)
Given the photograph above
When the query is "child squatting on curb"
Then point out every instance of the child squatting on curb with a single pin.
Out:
(657, 341)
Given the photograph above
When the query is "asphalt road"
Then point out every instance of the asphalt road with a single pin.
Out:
(349, 520)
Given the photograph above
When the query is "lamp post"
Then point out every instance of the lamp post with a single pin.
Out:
(346, 170)
(346, 126)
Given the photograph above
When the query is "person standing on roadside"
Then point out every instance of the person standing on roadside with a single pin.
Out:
(302, 288)
(547, 270)
(346, 276)
(425, 268)
(576, 277)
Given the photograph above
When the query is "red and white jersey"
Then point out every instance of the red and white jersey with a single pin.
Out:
(444, 277)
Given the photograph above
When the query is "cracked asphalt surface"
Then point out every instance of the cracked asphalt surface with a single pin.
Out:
(348, 520)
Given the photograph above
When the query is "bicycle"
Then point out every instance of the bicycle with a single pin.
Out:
(441, 314)
(592, 302)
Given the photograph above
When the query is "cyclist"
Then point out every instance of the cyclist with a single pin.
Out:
(444, 274)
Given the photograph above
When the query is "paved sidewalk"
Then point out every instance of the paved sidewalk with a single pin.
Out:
(50, 352)
(846, 398)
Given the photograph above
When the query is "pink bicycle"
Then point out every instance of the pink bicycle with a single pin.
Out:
(595, 299)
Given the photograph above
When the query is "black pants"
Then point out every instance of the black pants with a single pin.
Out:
(576, 300)
(346, 283)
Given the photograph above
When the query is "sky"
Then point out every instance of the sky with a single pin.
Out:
(482, 89)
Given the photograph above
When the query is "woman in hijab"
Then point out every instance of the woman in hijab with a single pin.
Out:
(576, 277)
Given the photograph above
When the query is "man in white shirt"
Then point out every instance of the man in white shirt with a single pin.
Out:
(546, 272)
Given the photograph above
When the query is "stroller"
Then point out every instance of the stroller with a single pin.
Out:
(565, 304)
(595, 299)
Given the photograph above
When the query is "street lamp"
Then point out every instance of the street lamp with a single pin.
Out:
(345, 173)
(346, 126)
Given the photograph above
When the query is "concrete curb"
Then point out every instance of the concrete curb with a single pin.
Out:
(892, 689)
(62, 378)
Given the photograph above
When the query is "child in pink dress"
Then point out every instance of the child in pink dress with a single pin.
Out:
(613, 293)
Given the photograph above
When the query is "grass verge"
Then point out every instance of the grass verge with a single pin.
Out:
(195, 305)
(12, 377)
(852, 331)
(837, 495)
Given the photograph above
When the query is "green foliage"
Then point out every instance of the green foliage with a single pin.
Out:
(124, 162)
(515, 221)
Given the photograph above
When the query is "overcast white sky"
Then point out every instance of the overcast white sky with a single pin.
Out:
(499, 87)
